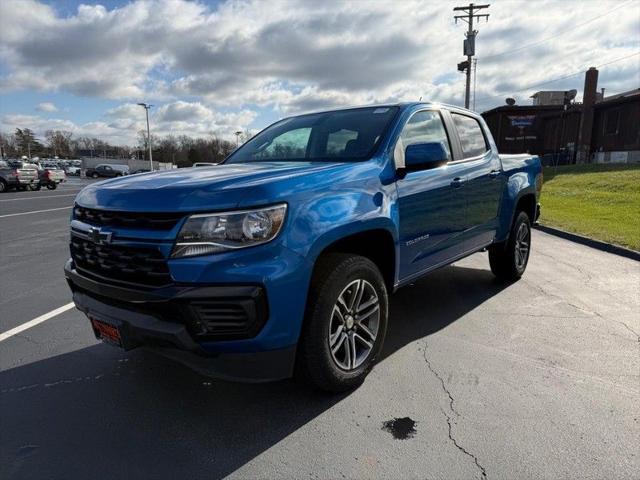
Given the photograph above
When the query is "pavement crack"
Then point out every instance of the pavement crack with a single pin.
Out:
(448, 418)
(584, 310)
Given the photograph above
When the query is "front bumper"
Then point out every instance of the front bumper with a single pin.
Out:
(164, 320)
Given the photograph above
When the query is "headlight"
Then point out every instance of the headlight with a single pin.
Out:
(219, 232)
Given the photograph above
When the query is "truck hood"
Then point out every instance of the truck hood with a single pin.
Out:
(203, 188)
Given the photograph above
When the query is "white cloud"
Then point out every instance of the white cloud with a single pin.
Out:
(297, 55)
(47, 107)
(121, 124)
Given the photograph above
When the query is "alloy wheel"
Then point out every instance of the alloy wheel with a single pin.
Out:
(523, 239)
(354, 325)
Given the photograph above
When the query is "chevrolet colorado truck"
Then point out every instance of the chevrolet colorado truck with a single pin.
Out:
(280, 261)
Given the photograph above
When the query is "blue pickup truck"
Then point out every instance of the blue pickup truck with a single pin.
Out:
(279, 261)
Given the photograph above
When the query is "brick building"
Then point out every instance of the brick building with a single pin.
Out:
(600, 129)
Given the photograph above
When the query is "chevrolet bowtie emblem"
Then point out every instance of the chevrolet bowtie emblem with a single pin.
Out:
(96, 235)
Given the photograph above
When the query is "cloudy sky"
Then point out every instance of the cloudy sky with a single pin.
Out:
(217, 66)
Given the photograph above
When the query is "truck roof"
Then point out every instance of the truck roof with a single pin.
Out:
(386, 105)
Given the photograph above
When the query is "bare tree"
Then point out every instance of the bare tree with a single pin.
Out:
(59, 142)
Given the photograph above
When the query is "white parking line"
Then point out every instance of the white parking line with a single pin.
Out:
(35, 321)
(36, 198)
(34, 211)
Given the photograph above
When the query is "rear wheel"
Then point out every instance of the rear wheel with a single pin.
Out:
(94, 175)
(3, 186)
(52, 186)
(345, 324)
(509, 259)
(34, 187)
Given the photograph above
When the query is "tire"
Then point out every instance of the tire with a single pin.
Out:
(94, 175)
(35, 188)
(52, 186)
(506, 263)
(3, 186)
(340, 276)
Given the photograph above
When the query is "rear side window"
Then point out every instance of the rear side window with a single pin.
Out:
(425, 127)
(472, 139)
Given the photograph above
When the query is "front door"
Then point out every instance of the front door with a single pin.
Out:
(431, 202)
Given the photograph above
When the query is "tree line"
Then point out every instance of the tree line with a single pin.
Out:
(180, 150)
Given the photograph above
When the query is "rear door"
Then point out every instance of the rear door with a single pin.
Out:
(485, 180)
(431, 202)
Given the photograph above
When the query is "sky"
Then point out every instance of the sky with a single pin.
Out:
(212, 68)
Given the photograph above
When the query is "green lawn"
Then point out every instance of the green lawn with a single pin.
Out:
(598, 201)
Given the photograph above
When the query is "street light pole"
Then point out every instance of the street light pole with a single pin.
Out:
(237, 134)
(146, 108)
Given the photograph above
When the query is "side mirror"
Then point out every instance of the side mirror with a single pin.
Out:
(422, 156)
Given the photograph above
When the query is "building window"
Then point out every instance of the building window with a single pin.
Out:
(611, 120)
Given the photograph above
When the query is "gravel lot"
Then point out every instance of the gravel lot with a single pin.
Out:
(540, 379)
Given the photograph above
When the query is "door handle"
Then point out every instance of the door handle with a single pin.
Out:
(494, 173)
(457, 182)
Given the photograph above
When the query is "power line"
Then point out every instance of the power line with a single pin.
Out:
(581, 71)
(538, 42)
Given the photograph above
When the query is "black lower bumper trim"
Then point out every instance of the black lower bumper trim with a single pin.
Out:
(172, 340)
(209, 312)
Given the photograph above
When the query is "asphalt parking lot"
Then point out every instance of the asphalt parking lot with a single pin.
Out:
(539, 379)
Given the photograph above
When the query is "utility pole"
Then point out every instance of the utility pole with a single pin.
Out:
(469, 45)
(146, 108)
(475, 77)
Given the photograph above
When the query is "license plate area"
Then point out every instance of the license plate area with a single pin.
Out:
(106, 332)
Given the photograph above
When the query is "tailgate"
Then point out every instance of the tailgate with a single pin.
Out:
(27, 174)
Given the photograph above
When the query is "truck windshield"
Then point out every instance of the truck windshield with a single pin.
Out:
(343, 135)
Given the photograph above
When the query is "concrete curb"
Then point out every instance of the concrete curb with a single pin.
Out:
(590, 242)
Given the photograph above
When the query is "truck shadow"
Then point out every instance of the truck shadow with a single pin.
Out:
(100, 413)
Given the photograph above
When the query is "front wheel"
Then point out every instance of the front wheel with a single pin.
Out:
(52, 186)
(509, 259)
(345, 324)
(94, 175)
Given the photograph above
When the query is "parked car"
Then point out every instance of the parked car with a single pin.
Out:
(281, 259)
(140, 170)
(107, 170)
(204, 164)
(17, 174)
(72, 170)
(50, 176)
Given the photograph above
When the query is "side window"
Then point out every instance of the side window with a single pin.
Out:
(472, 139)
(425, 127)
(291, 144)
(337, 142)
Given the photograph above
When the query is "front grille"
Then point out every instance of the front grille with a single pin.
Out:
(143, 221)
(142, 266)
